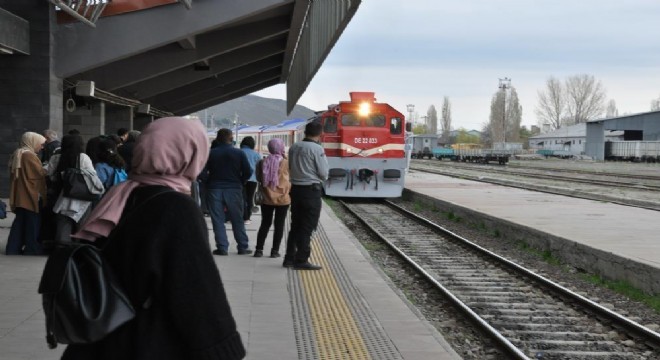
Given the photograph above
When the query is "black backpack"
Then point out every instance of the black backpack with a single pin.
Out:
(82, 300)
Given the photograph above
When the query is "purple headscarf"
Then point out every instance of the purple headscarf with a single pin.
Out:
(271, 164)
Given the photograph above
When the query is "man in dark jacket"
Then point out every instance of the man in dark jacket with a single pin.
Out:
(51, 147)
(226, 172)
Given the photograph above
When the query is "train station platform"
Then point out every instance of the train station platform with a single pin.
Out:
(615, 241)
(345, 311)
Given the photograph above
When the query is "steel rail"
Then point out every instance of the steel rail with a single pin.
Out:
(496, 335)
(626, 323)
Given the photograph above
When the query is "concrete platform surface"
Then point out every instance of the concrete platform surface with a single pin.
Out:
(259, 291)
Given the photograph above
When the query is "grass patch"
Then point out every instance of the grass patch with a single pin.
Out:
(374, 246)
(452, 217)
(626, 289)
(546, 255)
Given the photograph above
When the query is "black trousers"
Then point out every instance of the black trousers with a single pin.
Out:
(248, 194)
(305, 213)
(266, 221)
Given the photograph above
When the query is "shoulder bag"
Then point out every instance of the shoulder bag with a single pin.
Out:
(74, 184)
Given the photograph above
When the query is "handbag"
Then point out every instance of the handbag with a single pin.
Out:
(259, 195)
(75, 186)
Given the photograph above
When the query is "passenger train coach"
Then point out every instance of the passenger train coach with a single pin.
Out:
(364, 142)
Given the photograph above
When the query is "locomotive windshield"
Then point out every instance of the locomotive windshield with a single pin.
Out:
(373, 120)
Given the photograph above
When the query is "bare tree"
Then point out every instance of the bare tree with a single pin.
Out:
(585, 98)
(655, 104)
(445, 121)
(505, 116)
(487, 134)
(552, 104)
(611, 111)
(432, 120)
(497, 117)
(513, 116)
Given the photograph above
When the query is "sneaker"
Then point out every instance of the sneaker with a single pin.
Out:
(274, 254)
(245, 252)
(248, 222)
(306, 266)
(258, 253)
(219, 252)
(288, 262)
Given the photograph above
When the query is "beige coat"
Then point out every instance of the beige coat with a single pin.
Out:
(30, 184)
(280, 195)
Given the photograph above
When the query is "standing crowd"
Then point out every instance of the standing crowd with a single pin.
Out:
(153, 232)
(46, 217)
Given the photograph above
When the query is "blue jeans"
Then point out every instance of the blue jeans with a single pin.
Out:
(232, 199)
(24, 234)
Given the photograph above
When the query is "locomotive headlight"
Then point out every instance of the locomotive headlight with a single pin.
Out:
(365, 109)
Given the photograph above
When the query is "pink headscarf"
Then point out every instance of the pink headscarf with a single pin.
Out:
(170, 152)
(271, 164)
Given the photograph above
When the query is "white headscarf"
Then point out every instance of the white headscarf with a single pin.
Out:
(30, 142)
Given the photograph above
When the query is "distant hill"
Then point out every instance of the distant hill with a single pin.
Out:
(253, 110)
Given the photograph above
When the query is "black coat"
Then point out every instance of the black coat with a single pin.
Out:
(161, 255)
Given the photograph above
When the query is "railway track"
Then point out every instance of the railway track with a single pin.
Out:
(640, 182)
(529, 316)
(620, 192)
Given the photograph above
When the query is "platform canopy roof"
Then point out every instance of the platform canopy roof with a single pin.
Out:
(180, 57)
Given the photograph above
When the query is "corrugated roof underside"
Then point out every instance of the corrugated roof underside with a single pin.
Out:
(325, 22)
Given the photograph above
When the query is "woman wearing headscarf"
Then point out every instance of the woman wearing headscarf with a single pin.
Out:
(68, 211)
(27, 195)
(159, 250)
(273, 176)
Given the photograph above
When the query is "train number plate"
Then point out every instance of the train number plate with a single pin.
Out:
(366, 140)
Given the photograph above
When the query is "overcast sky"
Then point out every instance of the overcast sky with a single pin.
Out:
(417, 51)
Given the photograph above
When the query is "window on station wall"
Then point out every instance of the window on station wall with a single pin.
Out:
(330, 124)
(396, 125)
(350, 120)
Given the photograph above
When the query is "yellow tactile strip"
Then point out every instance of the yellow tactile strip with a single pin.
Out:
(331, 318)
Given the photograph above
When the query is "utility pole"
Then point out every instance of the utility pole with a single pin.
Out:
(411, 110)
(504, 85)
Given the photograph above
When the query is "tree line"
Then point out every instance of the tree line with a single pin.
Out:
(574, 100)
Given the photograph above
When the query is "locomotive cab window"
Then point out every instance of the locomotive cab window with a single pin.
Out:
(330, 124)
(350, 120)
(377, 120)
(395, 126)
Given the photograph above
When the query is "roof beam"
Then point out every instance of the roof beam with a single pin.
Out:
(211, 97)
(119, 37)
(165, 59)
(229, 96)
(196, 88)
(187, 75)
